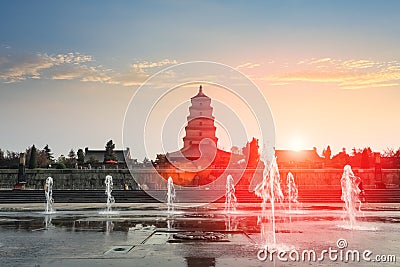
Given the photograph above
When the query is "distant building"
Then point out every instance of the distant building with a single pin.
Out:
(98, 155)
(306, 159)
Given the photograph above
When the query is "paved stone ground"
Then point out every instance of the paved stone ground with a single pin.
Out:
(146, 235)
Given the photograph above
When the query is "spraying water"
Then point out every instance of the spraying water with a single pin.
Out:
(350, 194)
(170, 195)
(292, 192)
(269, 190)
(109, 227)
(230, 197)
(110, 198)
(48, 191)
(47, 222)
(170, 222)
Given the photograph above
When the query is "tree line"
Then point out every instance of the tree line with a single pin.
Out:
(43, 158)
(363, 158)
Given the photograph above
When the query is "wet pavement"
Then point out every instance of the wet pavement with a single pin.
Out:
(146, 235)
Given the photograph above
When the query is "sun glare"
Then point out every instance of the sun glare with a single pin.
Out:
(296, 143)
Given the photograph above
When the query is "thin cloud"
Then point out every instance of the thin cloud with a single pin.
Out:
(348, 74)
(142, 67)
(24, 68)
(128, 79)
(73, 66)
(248, 65)
(31, 66)
(81, 72)
(321, 60)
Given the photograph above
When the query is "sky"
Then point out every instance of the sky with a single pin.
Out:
(329, 70)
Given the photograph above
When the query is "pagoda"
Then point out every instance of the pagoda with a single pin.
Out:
(199, 161)
(199, 154)
(200, 124)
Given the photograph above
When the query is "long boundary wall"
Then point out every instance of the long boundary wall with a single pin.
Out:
(94, 179)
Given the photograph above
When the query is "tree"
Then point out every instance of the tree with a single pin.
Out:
(146, 160)
(33, 158)
(92, 160)
(340, 159)
(71, 161)
(42, 161)
(72, 155)
(2, 159)
(61, 162)
(110, 154)
(9, 159)
(1, 154)
(48, 153)
(397, 159)
(389, 152)
(235, 150)
(365, 158)
(12, 159)
(81, 157)
(327, 153)
(250, 151)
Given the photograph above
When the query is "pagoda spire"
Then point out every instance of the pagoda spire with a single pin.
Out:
(200, 93)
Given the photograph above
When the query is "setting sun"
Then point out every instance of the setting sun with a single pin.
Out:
(297, 143)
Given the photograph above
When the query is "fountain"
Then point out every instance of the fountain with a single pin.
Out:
(230, 198)
(48, 191)
(170, 222)
(110, 198)
(350, 194)
(292, 192)
(109, 227)
(170, 195)
(47, 222)
(269, 190)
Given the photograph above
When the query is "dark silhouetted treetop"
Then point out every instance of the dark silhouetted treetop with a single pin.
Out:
(81, 156)
(33, 158)
(109, 154)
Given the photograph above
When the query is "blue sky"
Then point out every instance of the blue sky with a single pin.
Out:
(329, 69)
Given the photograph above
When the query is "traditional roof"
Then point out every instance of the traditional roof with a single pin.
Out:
(284, 157)
(99, 155)
(193, 151)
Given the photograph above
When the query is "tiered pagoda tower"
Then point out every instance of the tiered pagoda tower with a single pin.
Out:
(199, 161)
(200, 122)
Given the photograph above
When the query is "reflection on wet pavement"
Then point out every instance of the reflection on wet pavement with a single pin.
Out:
(203, 236)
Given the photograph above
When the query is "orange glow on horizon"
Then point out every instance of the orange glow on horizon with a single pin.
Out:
(297, 143)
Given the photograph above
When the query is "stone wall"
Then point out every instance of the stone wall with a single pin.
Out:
(68, 178)
(330, 178)
(94, 179)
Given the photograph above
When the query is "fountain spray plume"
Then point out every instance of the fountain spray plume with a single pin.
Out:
(48, 190)
(292, 192)
(109, 188)
(350, 193)
(170, 195)
(230, 197)
(270, 190)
